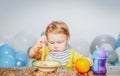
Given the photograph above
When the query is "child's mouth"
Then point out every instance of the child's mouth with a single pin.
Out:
(56, 50)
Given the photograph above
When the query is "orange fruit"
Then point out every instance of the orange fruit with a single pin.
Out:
(82, 65)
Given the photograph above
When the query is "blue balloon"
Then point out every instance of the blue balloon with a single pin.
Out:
(117, 42)
(43, 33)
(7, 61)
(20, 63)
(6, 49)
(21, 56)
(115, 63)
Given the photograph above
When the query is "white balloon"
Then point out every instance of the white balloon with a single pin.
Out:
(4, 39)
(102, 40)
(23, 41)
(106, 46)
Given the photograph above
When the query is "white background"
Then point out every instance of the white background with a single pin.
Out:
(85, 18)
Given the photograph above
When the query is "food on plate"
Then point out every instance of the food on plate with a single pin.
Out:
(47, 66)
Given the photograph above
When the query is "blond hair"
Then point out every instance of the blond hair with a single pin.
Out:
(57, 27)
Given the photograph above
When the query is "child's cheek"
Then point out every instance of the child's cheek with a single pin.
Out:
(62, 47)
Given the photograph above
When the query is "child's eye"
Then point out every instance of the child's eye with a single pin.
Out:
(51, 42)
(60, 42)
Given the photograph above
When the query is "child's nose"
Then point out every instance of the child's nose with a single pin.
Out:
(55, 45)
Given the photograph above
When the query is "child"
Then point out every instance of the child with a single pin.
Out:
(57, 37)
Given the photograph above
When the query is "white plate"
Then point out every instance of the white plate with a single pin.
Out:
(46, 66)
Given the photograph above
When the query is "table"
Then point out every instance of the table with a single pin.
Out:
(33, 71)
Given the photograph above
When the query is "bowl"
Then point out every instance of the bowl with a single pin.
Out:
(46, 66)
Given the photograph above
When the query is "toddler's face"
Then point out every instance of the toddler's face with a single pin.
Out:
(57, 42)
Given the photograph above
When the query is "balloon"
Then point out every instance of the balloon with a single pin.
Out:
(107, 46)
(81, 46)
(112, 57)
(4, 39)
(20, 63)
(43, 33)
(117, 42)
(21, 57)
(22, 41)
(105, 41)
(7, 61)
(116, 63)
(6, 49)
(118, 53)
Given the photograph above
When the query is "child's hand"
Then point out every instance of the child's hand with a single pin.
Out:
(91, 61)
(42, 41)
(34, 51)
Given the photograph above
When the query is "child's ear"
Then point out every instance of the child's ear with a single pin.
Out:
(68, 39)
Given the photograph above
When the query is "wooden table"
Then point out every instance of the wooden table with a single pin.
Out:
(111, 71)
(32, 71)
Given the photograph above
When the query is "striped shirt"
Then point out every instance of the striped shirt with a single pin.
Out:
(62, 57)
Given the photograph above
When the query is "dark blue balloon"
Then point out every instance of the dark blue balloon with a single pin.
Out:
(21, 56)
(7, 61)
(6, 49)
(115, 63)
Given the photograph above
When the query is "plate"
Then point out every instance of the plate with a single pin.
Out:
(46, 66)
